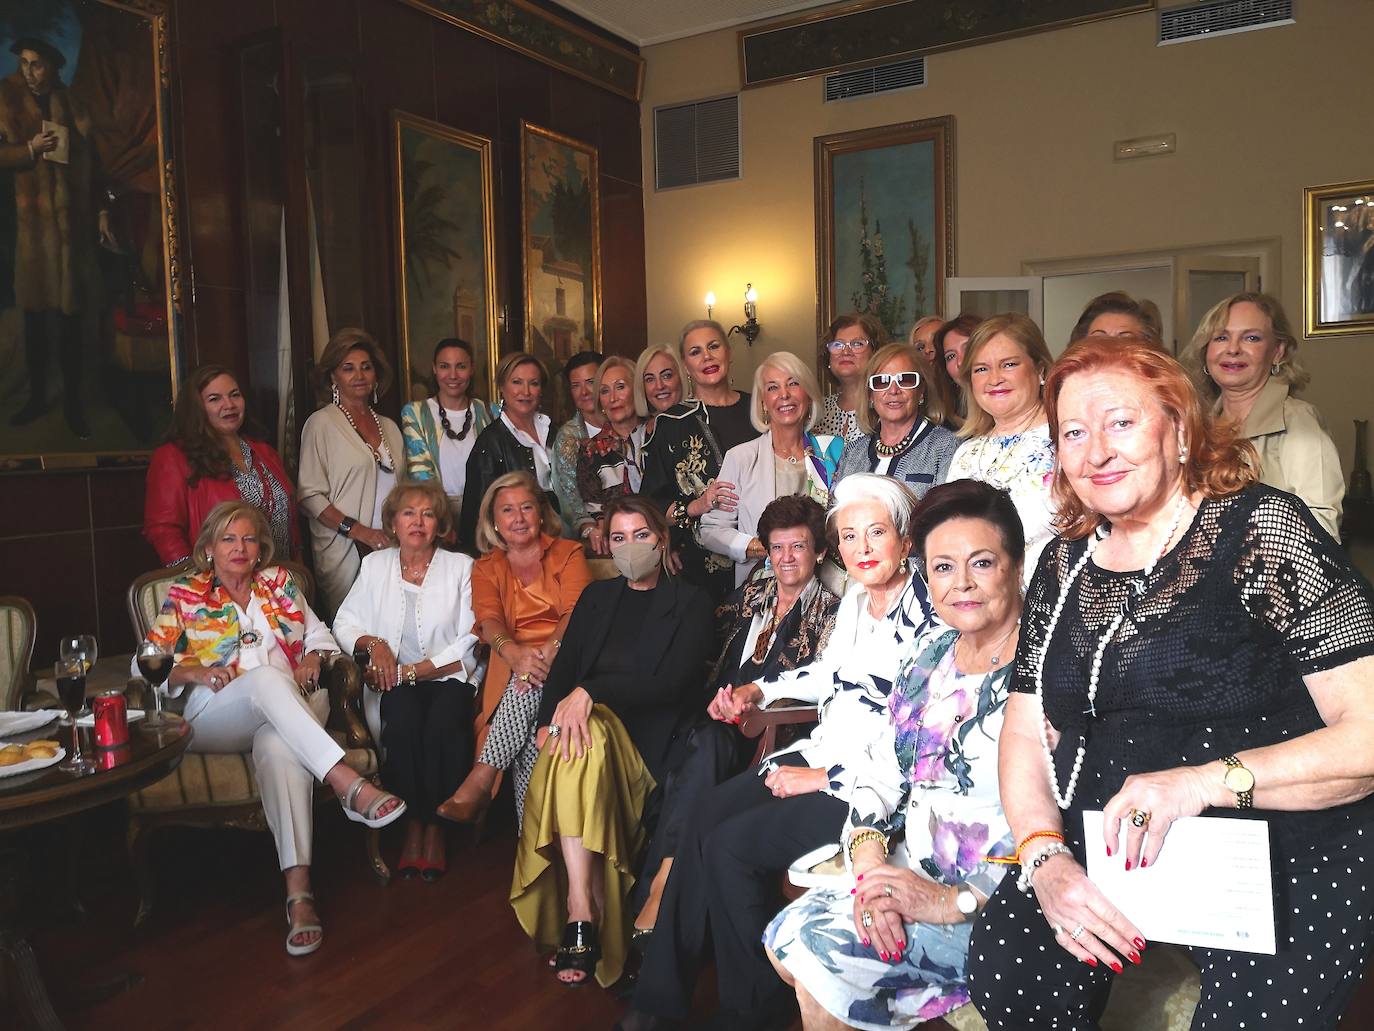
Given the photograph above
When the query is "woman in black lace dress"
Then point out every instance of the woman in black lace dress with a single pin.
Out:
(1192, 643)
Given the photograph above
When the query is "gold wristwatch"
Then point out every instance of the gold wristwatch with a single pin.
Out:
(1240, 780)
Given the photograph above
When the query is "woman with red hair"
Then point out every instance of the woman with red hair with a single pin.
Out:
(1193, 642)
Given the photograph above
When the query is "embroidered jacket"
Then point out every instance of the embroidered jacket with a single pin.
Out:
(200, 623)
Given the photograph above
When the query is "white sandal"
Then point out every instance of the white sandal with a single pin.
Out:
(292, 930)
(369, 816)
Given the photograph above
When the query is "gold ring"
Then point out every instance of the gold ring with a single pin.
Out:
(887, 890)
(525, 677)
(1138, 818)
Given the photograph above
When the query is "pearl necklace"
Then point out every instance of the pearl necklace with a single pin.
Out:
(1094, 675)
(390, 464)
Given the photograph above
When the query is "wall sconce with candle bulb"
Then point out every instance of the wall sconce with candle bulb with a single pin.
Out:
(750, 328)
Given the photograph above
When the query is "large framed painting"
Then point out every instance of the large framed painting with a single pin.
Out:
(1338, 270)
(89, 279)
(445, 247)
(561, 240)
(885, 222)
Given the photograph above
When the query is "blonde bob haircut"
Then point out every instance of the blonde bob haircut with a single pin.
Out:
(931, 402)
(434, 497)
(218, 521)
(338, 348)
(642, 365)
(921, 323)
(794, 368)
(488, 539)
(1026, 335)
(1290, 367)
(514, 360)
(615, 361)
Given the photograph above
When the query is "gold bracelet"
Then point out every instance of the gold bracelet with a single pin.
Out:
(496, 644)
(869, 834)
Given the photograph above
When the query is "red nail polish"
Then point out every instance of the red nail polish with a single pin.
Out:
(865, 943)
(1090, 961)
(853, 890)
(1128, 864)
(1115, 966)
(860, 877)
(1109, 850)
(1139, 943)
(1142, 862)
(882, 955)
(1135, 957)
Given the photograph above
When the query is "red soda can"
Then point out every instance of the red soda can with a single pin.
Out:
(111, 720)
(109, 758)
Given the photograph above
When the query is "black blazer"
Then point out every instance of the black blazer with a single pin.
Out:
(495, 452)
(673, 654)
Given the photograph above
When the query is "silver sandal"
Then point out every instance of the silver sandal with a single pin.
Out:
(369, 816)
(292, 931)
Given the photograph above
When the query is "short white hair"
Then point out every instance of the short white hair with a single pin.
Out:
(789, 364)
(891, 494)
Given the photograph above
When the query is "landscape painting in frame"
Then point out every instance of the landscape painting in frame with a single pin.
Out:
(89, 294)
(562, 249)
(447, 277)
(885, 222)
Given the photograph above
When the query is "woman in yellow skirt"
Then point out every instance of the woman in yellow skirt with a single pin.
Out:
(630, 673)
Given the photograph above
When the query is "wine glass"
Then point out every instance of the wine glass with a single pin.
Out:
(82, 647)
(155, 663)
(70, 674)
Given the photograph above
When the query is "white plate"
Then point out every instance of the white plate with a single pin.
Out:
(23, 722)
(88, 720)
(29, 765)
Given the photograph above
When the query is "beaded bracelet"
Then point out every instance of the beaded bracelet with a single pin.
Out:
(868, 834)
(1028, 867)
(1015, 858)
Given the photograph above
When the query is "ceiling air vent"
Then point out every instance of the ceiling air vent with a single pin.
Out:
(882, 78)
(1181, 24)
(696, 143)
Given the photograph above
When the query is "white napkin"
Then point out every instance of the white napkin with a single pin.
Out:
(23, 722)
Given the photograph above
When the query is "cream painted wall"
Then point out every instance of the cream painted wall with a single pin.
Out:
(1259, 115)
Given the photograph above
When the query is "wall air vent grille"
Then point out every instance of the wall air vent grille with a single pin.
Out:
(1221, 17)
(696, 143)
(882, 78)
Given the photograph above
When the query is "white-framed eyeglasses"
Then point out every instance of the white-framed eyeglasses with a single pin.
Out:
(880, 381)
(836, 346)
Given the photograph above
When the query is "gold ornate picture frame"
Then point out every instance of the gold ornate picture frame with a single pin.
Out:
(1338, 259)
(445, 249)
(90, 287)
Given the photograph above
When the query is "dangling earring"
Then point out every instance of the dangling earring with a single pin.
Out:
(902, 567)
(1274, 369)
(374, 395)
(1182, 454)
(335, 392)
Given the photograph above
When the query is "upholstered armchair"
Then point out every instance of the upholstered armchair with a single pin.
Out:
(219, 790)
(18, 627)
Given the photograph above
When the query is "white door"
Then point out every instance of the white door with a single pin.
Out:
(994, 295)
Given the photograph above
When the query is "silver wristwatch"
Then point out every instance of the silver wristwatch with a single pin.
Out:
(966, 901)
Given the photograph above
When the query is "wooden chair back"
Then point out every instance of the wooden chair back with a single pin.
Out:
(18, 628)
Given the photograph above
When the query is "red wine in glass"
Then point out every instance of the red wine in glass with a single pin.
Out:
(157, 667)
(70, 674)
(72, 690)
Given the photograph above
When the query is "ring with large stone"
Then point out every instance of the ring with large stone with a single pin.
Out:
(1078, 932)
(715, 502)
(887, 890)
(554, 730)
(525, 677)
(866, 918)
(1138, 818)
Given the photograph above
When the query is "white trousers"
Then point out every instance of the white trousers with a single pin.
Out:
(262, 710)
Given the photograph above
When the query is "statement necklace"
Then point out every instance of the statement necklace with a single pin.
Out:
(390, 464)
(448, 430)
(889, 450)
(1138, 588)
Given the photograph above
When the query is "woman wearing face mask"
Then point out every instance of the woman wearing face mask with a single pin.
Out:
(349, 456)
(1006, 438)
(209, 458)
(521, 438)
(440, 431)
(1244, 357)
(611, 463)
(580, 376)
(682, 459)
(628, 676)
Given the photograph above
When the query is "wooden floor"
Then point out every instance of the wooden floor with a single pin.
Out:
(411, 955)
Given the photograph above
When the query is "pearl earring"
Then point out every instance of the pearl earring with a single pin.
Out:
(335, 392)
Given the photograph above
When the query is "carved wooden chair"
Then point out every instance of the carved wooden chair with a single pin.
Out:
(219, 790)
(18, 628)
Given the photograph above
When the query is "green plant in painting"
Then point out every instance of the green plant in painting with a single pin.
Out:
(875, 296)
(428, 231)
(919, 263)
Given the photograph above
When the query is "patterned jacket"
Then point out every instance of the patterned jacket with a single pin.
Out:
(799, 638)
(422, 436)
(604, 471)
(200, 623)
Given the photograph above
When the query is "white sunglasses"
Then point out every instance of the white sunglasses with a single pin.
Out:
(880, 381)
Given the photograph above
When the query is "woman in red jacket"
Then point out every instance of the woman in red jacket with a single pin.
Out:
(207, 460)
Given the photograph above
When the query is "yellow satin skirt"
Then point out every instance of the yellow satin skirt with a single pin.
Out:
(599, 798)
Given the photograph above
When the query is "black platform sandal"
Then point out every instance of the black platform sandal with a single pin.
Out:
(579, 951)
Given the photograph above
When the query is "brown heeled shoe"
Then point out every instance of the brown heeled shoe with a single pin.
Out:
(464, 812)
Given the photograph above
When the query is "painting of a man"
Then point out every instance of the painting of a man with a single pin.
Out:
(45, 141)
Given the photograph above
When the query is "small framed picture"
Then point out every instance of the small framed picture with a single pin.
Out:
(1338, 250)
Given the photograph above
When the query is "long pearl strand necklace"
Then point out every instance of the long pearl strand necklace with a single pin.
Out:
(390, 464)
(1094, 675)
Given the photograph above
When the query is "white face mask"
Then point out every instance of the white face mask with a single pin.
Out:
(636, 559)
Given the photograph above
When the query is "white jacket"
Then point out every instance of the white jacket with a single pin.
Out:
(444, 620)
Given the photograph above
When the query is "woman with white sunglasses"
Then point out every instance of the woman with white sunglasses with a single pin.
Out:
(902, 435)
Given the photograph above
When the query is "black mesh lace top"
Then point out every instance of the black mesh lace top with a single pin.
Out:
(1210, 659)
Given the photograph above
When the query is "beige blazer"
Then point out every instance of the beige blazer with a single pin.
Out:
(337, 469)
(1296, 453)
